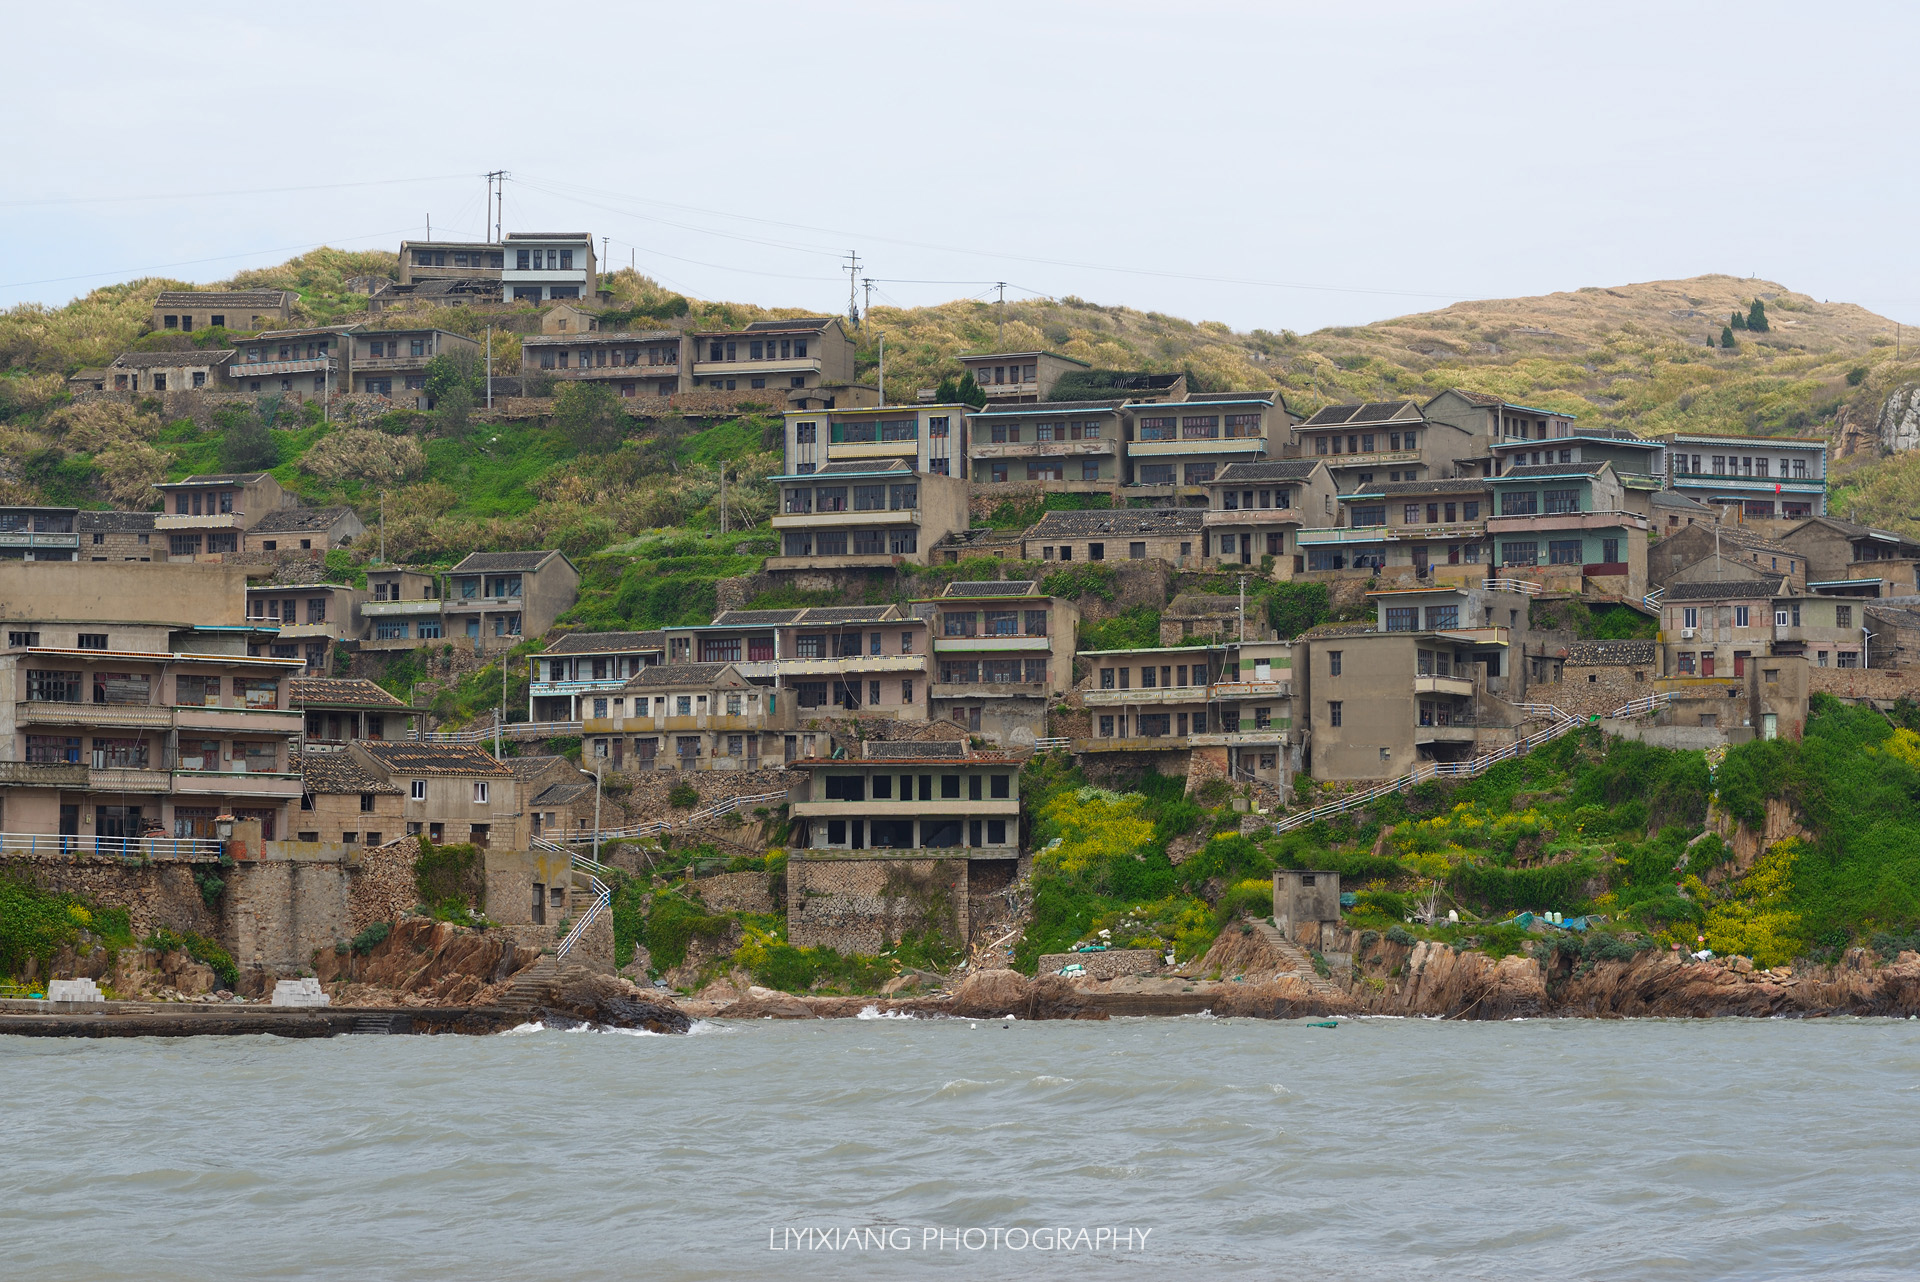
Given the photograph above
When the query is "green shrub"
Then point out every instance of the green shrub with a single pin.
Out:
(449, 876)
(672, 924)
(370, 938)
(683, 795)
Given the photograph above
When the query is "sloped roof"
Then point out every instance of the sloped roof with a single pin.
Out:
(1458, 485)
(1675, 499)
(991, 587)
(481, 562)
(1853, 530)
(295, 519)
(564, 792)
(339, 772)
(212, 478)
(918, 750)
(168, 360)
(1366, 413)
(850, 614)
(1167, 521)
(411, 758)
(533, 767)
(346, 692)
(681, 674)
(122, 522)
(755, 618)
(1280, 469)
(861, 467)
(1046, 409)
(798, 322)
(1538, 471)
(1725, 589)
(224, 298)
(608, 642)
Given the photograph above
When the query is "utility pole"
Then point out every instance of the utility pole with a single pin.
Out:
(429, 228)
(496, 197)
(383, 527)
(1243, 609)
(883, 369)
(489, 367)
(599, 768)
(1000, 325)
(866, 294)
(603, 253)
(723, 498)
(853, 279)
(501, 716)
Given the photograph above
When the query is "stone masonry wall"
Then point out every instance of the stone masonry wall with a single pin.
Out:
(1865, 683)
(739, 892)
(277, 913)
(154, 896)
(1584, 691)
(1107, 965)
(865, 905)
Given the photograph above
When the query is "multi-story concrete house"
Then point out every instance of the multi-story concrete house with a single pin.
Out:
(452, 260)
(1382, 442)
(863, 488)
(188, 371)
(29, 533)
(527, 266)
(495, 598)
(310, 530)
(1426, 529)
(1714, 629)
(806, 352)
(310, 617)
(1760, 477)
(1490, 426)
(632, 363)
(115, 536)
(243, 309)
(1051, 447)
(929, 439)
(865, 660)
(1178, 447)
(205, 514)
(452, 792)
(898, 795)
(401, 609)
(577, 676)
(393, 362)
(690, 716)
(1261, 509)
(336, 711)
(1234, 700)
(1583, 517)
(104, 743)
(1010, 378)
(300, 363)
(1002, 655)
(1122, 534)
(1627, 454)
(1847, 559)
(1417, 687)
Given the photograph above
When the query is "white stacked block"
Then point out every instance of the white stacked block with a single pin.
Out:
(74, 990)
(299, 992)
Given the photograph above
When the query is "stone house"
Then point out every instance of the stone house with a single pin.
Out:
(1847, 559)
(689, 716)
(910, 795)
(310, 530)
(1013, 378)
(1711, 551)
(300, 364)
(393, 362)
(241, 309)
(206, 514)
(1130, 534)
(559, 796)
(400, 609)
(803, 353)
(337, 711)
(188, 371)
(115, 536)
(342, 800)
(632, 363)
(1375, 442)
(452, 792)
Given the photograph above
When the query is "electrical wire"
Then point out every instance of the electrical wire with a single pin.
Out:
(136, 272)
(209, 195)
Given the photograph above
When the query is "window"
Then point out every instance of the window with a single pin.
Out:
(1442, 616)
(1560, 501)
(196, 692)
(1470, 511)
(1333, 662)
(93, 641)
(1740, 615)
(1333, 713)
(1369, 514)
(1519, 503)
(1843, 617)
(417, 790)
(1690, 617)
(1096, 551)
(1520, 553)
(1403, 618)
(1157, 429)
(479, 792)
(1156, 473)
(1564, 552)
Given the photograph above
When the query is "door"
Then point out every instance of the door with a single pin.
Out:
(1706, 663)
(1740, 662)
(1420, 560)
(618, 755)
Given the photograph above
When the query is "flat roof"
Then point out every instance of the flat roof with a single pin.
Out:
(165, 656)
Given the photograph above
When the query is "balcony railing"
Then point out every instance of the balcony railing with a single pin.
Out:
(142, 715)
(133, 849)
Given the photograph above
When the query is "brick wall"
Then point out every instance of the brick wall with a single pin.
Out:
(865, 905)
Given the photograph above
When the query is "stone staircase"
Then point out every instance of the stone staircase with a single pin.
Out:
(1296, 957)
(529, 983)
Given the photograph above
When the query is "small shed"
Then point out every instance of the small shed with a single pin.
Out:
(1304, 902)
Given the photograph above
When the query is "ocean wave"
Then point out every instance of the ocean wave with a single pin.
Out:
(874, 1012)
(525, 1030)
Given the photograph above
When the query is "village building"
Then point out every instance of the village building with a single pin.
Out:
(310, 618)
(299, 363)
(1717, 628)
(153, 372)
(241, 309)
(1844, 558)
(336, 711)
(30, 533)
(1008, 378)
(1173, 535)
(1584, 522)
(495, 598)
(578, 675)
(313, 531)
(1424, 529)
(1177, 448)
(860, 660)
(393, 362)
(1758, 478)
(1002, 656)
(1259, 510)
(804, 353)
(205, 515)
(689, 716)
(1377, 442)
(631, 363)
(910, 795)
(1492, 428)
(343, 800)
(451, 792)
(401, 609)
(1052, 447)
(560, 797)
(113, 536)
(1713, 551)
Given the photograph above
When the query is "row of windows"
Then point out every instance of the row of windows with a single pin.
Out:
(479, 258)
(286, 610)
(1009, 433)
(391, 347)
(844, 694)
(156, 382)
(993, 623)
(238, 757)
(993, 671)
(1365, 442)
(1739, 465)
(978, 787)
(602, 357)
(1406, 618)
(865, 498)
(864, 542)
(1163, 676)
(1158, 725)
(1235, 500)
(217, 320)
(1098, 551)
(1046, 469)
(785, 349)
(316, 350)
(1531, 503)
(137, 688)
(1784, 616)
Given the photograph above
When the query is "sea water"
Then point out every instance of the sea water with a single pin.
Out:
(1383, 1148)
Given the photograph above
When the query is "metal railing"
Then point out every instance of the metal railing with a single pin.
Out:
(42, 844)
(1527, 586)
(1562, 722)
(602, 897)
(655, 828)
(508, 729)
(1048, 745)
(1652, 599)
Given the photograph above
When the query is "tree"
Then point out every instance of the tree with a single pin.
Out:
(1709, 338)
(1739, 321)
(460, 368)
(1757, 317)
(248, 444)
(1726, 337)
(590, 416)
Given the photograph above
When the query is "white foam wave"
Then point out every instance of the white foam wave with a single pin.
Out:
(874, 1012)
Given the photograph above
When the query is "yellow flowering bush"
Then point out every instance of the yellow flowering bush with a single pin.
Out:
(1758, 924)
(1092, 825)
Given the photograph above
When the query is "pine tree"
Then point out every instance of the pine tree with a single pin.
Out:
(969, 392)
(1739, 321)
(1757, 317)
(1726, 337)
(1709, 338)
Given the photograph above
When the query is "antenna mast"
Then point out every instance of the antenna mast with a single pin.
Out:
(853, 280)
(1000, 325)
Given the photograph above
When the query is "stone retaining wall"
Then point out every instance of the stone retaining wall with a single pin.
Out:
(865, 905)
(739, 892)
(1108, 965)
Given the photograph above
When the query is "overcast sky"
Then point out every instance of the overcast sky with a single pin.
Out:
(1271, 165)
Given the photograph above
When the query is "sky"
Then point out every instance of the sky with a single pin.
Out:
(1266, 165)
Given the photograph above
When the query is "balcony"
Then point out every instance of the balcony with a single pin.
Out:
(987, 690)
(278, 369)
(138, 716)
(556, 689)
(1204, 445)
(884, 518)
(236, 783)
(244, 720)
(1548, 521)
(1461, 687)
(211, 521)
(470, 604)
(400, 609)
(849, 561)
(1216, 518)
(740, 369)
(1379, 458)
(1196, 695)
(35, 539)
(883, 808)
(1445, 734)
(985, 645)
(1045, 449)
(1270, 736)
(1135, 743)
(395, 364)
(724, 723)
(1344, 535)
(128, 779)
(1252, 689)
(47, 774)
(853, 665)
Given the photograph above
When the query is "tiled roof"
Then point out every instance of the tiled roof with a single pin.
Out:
(917, 750)
(265, 334)
(862, 467)
(755, 618)
(992, 587)
(533, 767)
(849, 614)
(1365, 413)
(224, 298)
(1282, 469)
(678, 674)
(1536, 470)
(1046, 409)
(1202, 605)
(1461, 485)
(798, 322)
(1167, 521)
(122, 522)
(212, 478)
(608, 336)
(292, 519)
(436, 759)
(168, 360)
(564, 792)
(338, 772)
(352, 692)
(484, 561)
(608, 642)
(1201, 398)
(1725, 589)
(1854, 530)
(1671, 498)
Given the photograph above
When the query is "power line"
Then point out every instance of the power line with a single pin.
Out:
(136, 272)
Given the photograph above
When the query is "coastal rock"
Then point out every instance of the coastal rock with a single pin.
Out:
(989, 994)
(760, 1003)
(1898, 426)
(573, 994)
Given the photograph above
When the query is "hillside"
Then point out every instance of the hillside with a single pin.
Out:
(1633, 356)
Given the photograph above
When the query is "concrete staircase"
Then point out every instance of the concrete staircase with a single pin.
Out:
(1296, 957)
(528, 983)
